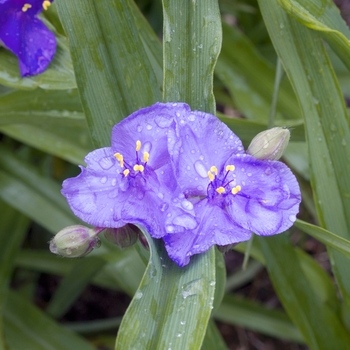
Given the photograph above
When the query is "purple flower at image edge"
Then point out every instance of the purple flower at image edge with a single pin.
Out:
(26, 35)
(132, 181)
(225, 194)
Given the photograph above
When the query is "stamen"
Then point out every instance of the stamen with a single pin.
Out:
(220, 190)
(138, 145)
(230, 167)
(120, 158)
(214, 169)
(46, 4)
(211, 176)
(145, 156)
(236, 189)
(126, 172)
(138, 167)
(26, 7)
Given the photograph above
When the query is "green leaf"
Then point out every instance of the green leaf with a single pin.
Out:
(58, 76)
(172, 305)
(326, 237)
(42, 107)
(12, 232)
(213, 338)
(114, 68)
(326, 124)
(322, 16)
(252, 89)
(316, 318)
(192, 42)
(26, 327)
(251, 315)
(71, 144)
(72, 285)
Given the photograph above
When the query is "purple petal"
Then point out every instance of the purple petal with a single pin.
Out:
(269, 198)
(26, 36)
(102, 197)
(197, 142)
(216, 227)
(150, 126)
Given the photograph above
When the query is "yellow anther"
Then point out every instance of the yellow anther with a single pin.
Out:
(26, 7)
(126, 172)
(138, 145)
(120, 158)
(230, 167)
(236, 189)
(214, 169)
(138, 167)
(46, 4)
(220, 190)
(145, 156)
(211, 176)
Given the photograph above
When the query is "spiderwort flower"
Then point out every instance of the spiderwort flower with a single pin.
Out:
(132, 181)
(25, 35)
(231, 193)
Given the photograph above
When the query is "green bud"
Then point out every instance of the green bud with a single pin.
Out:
(123, 236)
(75, 241)
(269, 144)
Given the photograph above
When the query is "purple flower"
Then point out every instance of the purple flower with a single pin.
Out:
(229, 193)
(132, 181)
(25, 35)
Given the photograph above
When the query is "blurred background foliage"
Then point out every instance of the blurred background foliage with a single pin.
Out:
(114, 57)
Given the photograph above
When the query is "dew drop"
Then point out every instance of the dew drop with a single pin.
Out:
(191, 117)
(200, 169)
(292, 218)
(164, 207)
(103, 180)
(187, 204)
(139, 128)
(114, 182)
(186, 221)
(149, 127)
(170, 228)
(147, 146)
(138, 295)
(106, 163)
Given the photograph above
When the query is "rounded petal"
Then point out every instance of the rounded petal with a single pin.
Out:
(269, 197)
(102, 197)
(198, 141)
(150, 126)
(215, 228)
(29, 39)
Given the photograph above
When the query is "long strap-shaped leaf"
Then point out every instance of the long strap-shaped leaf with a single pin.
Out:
(114, 74)
(327, 129)
(172, 307)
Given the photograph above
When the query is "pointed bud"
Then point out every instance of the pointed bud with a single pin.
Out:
(75, 241)
(123, 236)
(269, 144)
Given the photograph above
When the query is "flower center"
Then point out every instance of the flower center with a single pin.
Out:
(221, 185)
(138, 167)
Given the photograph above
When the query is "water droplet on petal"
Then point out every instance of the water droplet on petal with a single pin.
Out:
(164, 207)
(292, 218)
(191, 117)
(103, 180)
(106, 162)
(186, 221)
(187, 204)
(147, 146)
(149, 127)
(201, 169)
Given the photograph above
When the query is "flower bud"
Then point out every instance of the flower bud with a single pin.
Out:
(75, 241)
(269, 144)
(123, 236)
